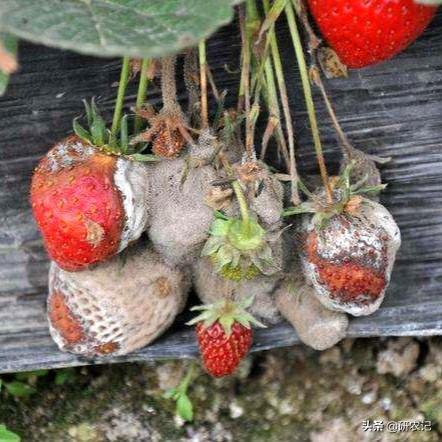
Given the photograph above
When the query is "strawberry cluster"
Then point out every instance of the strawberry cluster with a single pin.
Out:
(129, 232)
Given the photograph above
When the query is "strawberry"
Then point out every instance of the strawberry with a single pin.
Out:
(224, 335)
(116, 307)
(366, 32)
(88, 202)
(348, 248)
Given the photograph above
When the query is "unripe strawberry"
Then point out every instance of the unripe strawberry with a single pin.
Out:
(118, 306)
(212, 287)
(89, 205)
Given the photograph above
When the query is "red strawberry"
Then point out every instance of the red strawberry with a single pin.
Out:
(88, 205)
(224, 335)
(365, 32)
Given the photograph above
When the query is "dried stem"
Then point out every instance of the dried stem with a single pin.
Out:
(203, 84)
(243, 207)
(308, 98)
(345, 143)
(168, 83)
(276, 57)
(245, 76)
(141, 95)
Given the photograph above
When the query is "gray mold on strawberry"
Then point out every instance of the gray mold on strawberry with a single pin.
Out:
(349, 260)
(117, 307)
(212, 287)
(316, 326)
(180, 219)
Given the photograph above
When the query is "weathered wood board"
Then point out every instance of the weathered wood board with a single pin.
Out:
(394, 109)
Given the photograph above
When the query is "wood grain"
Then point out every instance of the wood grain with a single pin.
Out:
(393, 109)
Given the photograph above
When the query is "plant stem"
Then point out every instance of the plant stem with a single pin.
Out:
(142, 88)
(345, 143)
(245, 75)
(203, 84)
(285, 106)
(168, 82)
(184, 384)
(243, 207)
(124, 77)
(308, 98)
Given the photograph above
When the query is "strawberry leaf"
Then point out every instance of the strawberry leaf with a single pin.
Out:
(184, 408)
(80, 131)
(19, 389)
(8, 53)
(7, 435)
(109, 28)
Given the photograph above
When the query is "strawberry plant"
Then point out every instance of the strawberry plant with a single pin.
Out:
(135, 210)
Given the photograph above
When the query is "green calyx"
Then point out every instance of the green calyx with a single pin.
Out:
(238, 248)
(99, 136)
(343, 192)
(226, 312)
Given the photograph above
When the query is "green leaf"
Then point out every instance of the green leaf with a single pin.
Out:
(80, 131)
(64, 376)
(19, 389)
(108, 28)
(184, 408)
(8, 436)
(170, 393)
(10, 44)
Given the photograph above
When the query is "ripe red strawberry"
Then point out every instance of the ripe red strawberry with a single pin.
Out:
(224, 335)
(88, 205)
(365, 32)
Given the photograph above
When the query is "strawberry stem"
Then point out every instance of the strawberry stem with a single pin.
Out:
(141, 94)
(245, 73)
(168, 82)
(277, 65)
(243, 207)
(291, 20)
(203, 84)
(345, 143)
(124, 77)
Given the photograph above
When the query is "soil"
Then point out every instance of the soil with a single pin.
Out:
(293, 394)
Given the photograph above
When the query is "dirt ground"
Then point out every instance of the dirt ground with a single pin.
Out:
(294, 394)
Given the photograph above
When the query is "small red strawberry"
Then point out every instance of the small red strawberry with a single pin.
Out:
(224, 335)
(365, 32)
(88, 203)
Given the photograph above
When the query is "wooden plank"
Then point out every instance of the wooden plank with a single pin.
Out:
(393, 109)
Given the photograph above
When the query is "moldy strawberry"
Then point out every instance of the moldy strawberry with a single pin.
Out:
(88, 199)
(348, 247)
